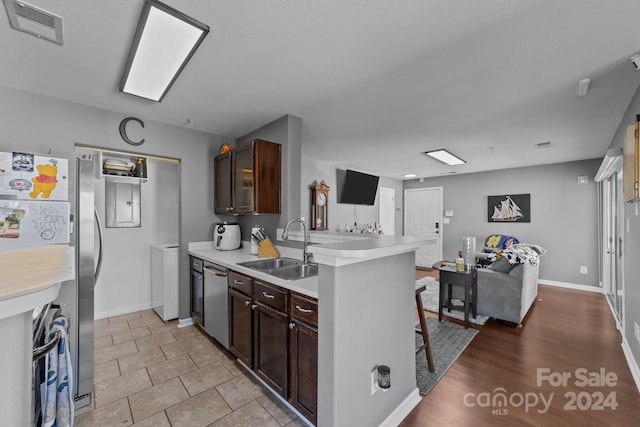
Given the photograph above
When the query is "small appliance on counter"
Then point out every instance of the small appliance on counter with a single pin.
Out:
(226, 236)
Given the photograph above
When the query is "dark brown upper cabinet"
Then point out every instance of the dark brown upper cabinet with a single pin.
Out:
(248, 180)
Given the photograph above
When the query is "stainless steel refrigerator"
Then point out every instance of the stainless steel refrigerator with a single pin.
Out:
(78, 295)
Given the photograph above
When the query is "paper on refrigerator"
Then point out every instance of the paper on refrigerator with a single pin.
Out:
(34, 177)
(33, 222)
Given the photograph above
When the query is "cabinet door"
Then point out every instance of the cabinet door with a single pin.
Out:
(631, 163)
(222, 202)
(303, 341)
(243, 182)
(267, 176)
(270, 347)
(241, 326)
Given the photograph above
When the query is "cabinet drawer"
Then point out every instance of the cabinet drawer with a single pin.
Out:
(304, 309)
(270, 295)
(241, 282)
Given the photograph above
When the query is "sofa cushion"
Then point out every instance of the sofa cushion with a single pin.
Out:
(502, 265)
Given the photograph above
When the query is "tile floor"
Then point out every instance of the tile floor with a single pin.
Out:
(152, 373)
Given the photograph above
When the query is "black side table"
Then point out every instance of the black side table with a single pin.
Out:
(450, 277)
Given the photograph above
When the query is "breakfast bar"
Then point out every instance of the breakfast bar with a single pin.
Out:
(366, 303)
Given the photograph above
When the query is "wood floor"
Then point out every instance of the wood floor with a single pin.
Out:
(566, 332)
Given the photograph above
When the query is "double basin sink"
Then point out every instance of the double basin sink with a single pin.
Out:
(284, 268)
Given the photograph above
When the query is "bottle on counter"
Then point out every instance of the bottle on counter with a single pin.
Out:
(140, 170)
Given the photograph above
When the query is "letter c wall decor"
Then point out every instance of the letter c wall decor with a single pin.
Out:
(123, 130)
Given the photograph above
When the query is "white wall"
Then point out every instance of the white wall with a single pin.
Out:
(42, 124)
(342, 214)
(631, 240)
(563, 214)
(125, 286)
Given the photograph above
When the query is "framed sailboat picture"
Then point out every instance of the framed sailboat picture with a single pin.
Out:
(509, 208)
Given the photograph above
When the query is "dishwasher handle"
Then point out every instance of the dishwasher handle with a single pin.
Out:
(215, 270)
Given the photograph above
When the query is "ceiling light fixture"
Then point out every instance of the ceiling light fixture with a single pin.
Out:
(583, 87)
(445, 157)
(409, 175)
(164, 41)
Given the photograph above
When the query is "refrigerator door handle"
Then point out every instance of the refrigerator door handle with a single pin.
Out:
(99, 262)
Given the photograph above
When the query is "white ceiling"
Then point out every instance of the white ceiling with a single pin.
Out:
(376, 82)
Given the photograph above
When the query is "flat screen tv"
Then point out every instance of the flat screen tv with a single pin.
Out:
(359, 188)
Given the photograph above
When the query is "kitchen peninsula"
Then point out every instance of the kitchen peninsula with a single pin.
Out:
(366, 294)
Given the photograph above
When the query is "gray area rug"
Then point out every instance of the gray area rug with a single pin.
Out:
(430, 300)
(447, 341)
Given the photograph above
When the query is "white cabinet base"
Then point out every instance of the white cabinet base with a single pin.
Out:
(164, 280)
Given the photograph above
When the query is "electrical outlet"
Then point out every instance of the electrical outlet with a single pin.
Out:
(583, 269)
(374, 380)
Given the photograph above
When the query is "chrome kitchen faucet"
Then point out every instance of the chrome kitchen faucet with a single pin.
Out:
(306, 256)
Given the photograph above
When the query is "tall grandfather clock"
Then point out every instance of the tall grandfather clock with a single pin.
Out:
(320, 207)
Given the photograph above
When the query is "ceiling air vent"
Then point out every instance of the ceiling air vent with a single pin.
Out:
(34, 21)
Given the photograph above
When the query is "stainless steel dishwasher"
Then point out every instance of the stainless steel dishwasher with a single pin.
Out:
(216, 301)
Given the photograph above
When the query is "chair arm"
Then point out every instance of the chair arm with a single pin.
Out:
(499, 294)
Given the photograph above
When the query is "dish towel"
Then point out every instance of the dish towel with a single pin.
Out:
(58, 401)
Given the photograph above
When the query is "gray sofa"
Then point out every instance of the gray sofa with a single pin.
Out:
(507, 295)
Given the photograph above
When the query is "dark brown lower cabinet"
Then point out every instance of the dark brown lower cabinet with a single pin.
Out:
(303, 359)
(241, 326)
(274, 332)
(303, 355)
(270, 347)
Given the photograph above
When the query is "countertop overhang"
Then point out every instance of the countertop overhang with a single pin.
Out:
(32, 277)
(365, 249)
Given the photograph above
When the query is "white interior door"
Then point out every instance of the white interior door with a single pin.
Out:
(423, 218)
(387, 210)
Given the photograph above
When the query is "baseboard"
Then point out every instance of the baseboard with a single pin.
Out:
(182, 323)
(631, 361)
(575, 286)
(123, 310)
(275, 394)
(613, 314)
(401, 412)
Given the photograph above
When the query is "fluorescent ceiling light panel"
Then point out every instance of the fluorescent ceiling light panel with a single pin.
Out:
(445, 157)
(164, 42)
(409, 175)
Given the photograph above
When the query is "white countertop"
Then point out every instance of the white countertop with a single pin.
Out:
(230, 259)
(336, 254)
(358, 250)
